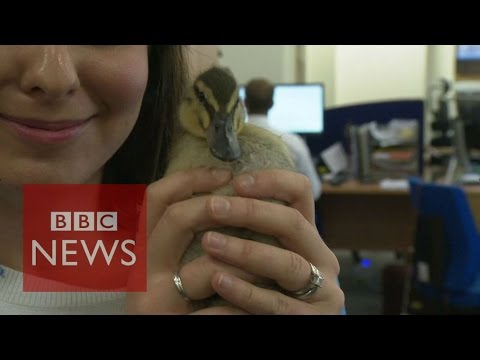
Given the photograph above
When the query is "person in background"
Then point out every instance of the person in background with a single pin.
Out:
(259, 100)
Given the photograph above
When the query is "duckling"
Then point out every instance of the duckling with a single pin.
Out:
(214, 134)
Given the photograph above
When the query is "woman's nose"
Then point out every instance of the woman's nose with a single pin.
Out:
(50, 73)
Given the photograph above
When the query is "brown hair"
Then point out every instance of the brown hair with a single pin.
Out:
(143, 157)
(259, 96)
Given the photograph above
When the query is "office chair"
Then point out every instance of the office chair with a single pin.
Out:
(445, 276)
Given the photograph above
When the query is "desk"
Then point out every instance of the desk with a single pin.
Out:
(365, 217)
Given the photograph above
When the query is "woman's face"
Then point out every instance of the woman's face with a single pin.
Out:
(66, 109)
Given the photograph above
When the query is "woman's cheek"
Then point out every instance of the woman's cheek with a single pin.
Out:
(120, 79)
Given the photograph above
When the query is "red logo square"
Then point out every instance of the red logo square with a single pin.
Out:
(84, 238)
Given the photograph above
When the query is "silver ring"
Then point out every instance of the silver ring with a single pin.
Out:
(178, 284)
(316, 281)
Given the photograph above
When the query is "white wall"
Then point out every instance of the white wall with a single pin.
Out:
(320, 67)
(201, 57)
(440, 62)
(275, 62)
(351, 73)
(365, 73)
(289, 62)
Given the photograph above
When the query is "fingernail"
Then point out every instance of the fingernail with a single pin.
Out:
(220, 206)
(245, 180)
(216, 240)
(225, 281)
(221, 174)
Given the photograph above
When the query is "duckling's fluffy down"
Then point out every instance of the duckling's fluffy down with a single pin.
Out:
(261, 149)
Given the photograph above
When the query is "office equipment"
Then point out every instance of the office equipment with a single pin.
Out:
(338, 119)
(468, 60)
(297, 108)
(459, 167)
(360, 150)
(463, 97)
(438, 108)
(385, 150)
(337, 162)
(335, 158)
(468, 104)
(359, 216)
(338, 178)
(393, 184)
(446, 267)
(468, 52)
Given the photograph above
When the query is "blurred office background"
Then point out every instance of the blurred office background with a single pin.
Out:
(351, 73)
(394, 267)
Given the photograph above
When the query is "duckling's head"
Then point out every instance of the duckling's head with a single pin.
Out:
(212, 110)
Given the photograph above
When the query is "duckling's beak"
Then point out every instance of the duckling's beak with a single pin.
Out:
(222, 139)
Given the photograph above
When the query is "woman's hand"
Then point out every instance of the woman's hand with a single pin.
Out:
(294, 227)
(174, 217)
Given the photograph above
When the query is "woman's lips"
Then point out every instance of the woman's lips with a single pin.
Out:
(45, 132)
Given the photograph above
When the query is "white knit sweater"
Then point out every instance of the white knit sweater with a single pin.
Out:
(14, 301)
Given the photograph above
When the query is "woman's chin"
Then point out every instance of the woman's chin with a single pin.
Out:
(20, 179)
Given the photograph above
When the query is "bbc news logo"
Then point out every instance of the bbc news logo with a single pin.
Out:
(83, 221)
(84, 238)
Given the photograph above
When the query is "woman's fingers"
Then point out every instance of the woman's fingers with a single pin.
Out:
(286, 224)
(288, 269)
(204, 267)
(161, 297)
(163, 212)
(291, 271)
(292, 188)
(175, 230)
(220, 310)
(182, 220)
(181, 186)
(256, 300)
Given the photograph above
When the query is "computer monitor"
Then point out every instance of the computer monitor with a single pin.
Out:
(297, 108)
(468, 52)
(468, 60)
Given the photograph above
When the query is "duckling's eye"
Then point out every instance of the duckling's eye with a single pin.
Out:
(202, 97)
